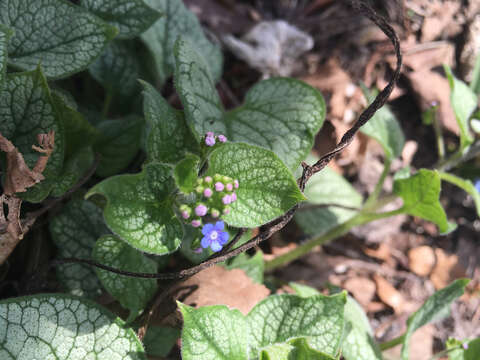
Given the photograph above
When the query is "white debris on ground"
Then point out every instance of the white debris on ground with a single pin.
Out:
(272, 47)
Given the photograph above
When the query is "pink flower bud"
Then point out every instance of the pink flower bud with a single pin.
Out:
(196, 223)
(229, 187)
(226, 211)
(233, 197)
(210, 134)
(198, 250)
(208, 179)
(207, 192)
(219, 186)
(201, 210)
(215, 213)
(235, 183)
(222, 138)
(227, 199)
(185, 214)
(209, 141)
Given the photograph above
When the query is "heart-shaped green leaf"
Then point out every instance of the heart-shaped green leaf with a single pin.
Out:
(130, 17)
(421, 197)
(63, 327)
(26, 110)
(281, 317)
(5, 34)
(139, 209)
(178, 21)
(267, 188)
(168, 134)
(464, 102)
(213, 332)
(74, 231)
(280, 114)
(118, 68)
(297, 349)
(118, 143)
(60, 36)
(132, 293)
(434, 305)
(186, 173)
(384, 128)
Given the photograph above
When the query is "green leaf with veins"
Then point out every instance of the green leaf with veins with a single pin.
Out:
(253, 266)
(464, 102)
(327, 187)
(435, 304)
(117, 68)
(26, 110)
(168, 136)
(130, 17)
(295, 349)
(267, 188)
(421, 197)
(132, 293)
(464, 184)
(302, 290)
(60, 36)
(159, 340)
(279, 318)
(139, 209)
(280, 114)
(186, 173)
(75, 167)
(5, 35)
(213, 332)
(178, 21)
(118, 143)
(384, 128)
(63, 327)
(74, 232)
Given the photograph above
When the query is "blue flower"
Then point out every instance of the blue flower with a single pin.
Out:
(214, 236)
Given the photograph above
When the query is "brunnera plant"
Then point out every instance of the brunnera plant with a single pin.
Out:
(182, 183)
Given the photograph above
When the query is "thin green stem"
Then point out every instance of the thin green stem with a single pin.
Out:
(339, 230)
(392, 343)
(379, 186)
(107, 102)
(437, 127)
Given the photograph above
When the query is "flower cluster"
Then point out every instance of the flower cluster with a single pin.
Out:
(214, 195)
(210, 138)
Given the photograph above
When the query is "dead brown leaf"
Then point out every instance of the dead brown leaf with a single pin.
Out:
(421, 260)
(446, 269)
(362, 289)
(389, 295)
(216, 285)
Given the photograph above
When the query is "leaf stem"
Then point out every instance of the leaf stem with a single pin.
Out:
(392, 343)
(379, 186)
(437, 127)
(107, 102)
(339, 230)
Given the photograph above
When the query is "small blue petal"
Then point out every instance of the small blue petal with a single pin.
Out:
(477, 185)
(219, 225)
(223, 237)
(207, 229)
(215, 246)
(205, 242)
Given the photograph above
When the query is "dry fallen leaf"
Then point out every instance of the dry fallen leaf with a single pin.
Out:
(446, 269)
(421, 260)
(216, 285)
(362, 289)
(389, 295)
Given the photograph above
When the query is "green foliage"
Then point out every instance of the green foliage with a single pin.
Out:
(56, 326)
(159, 340)
(464, 102)
(267, 195)
(267, 331)
(434, 305)
(74, 232)
(5, 34)
(421, 195)
(79, 36)
(186, 173)
(132, 293)
(130, 17)
(26, 110)
(466, 185)
(178, 21)
(384, 128)
(463, 350)
(253, 266)
(139, 209)
(279, 114)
